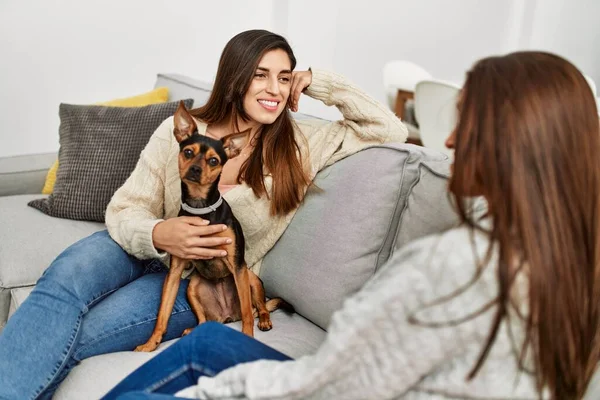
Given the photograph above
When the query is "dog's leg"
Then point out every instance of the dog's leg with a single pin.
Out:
(243, 288)
(258, 301)
(169, 294)
(242, 285)
(193, 296)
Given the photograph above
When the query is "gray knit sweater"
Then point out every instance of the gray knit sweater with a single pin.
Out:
(376, 350)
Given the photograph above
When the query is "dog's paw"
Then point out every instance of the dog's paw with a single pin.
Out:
(147, 347)
(187, 332)
(265, 325)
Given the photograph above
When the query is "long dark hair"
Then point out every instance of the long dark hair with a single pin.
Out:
(528, 137)
(276, 149)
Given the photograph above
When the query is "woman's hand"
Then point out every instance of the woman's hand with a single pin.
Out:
(183, 237)
(300, 81)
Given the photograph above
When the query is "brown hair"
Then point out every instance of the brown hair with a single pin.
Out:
(528, 139)
(276, 148)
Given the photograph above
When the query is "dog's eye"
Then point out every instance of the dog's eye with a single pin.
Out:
(213, 162)
(188, 153)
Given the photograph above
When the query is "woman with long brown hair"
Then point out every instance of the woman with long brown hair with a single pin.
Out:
(505, 306)
(528, 141)
(88, 300)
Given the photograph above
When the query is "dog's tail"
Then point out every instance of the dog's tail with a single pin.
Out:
(277, 303)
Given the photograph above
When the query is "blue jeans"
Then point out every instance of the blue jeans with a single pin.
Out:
(93, 299)
(208, 350)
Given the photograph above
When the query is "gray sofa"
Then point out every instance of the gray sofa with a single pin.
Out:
(339, 237)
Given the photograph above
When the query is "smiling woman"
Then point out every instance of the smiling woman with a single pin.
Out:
(254, 97)
(255, 89)
(270, 88)
(94, 286)
(264, 101)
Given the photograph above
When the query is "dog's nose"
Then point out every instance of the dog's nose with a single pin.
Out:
(195, 169)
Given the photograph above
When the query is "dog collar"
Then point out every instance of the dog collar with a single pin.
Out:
(203, 210)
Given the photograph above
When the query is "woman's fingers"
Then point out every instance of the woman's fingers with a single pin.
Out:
(190, 238)
(292, 97)
(206, 230)
(198, 248)
(198, 253)
(300, 85)
(196, 221)
(207, 241)
(200, 245)
(301, 80)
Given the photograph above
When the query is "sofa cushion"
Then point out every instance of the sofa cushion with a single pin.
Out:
(342, 234)
(17, 297)
(31, 240)
(99, 148)
(5, 303)
(156, 96)
(24, 174)
(291, 334)
(183, 87)
(429, 208)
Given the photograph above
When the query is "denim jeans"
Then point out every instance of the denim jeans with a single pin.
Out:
(208, 350)
(93, 299)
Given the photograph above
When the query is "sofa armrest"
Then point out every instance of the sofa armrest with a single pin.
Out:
(24, 174)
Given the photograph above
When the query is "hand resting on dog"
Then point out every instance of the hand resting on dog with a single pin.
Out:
(184, 237)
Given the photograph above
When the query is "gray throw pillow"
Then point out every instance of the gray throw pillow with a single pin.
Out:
(99, 148)
(340, 236)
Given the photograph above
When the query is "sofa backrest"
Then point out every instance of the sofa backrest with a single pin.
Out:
(370, 204)
(184, 87)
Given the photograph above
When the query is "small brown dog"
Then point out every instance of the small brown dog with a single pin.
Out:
(220, 289)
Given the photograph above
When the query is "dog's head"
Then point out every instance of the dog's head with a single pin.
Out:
(201, 158)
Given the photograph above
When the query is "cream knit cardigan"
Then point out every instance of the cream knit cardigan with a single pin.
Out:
(153, 191)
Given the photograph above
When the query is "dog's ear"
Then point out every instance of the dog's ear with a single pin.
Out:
(184, 123)
(234, 143)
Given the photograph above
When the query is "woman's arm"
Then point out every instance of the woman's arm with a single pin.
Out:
(367, 118)
(372, 350)
(366, 122)
(137, 206)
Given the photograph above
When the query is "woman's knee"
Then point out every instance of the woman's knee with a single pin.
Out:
(209, 333)
(90, 266)
(210, 329)
(121, 321)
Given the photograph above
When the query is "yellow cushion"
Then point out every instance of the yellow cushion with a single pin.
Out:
(156, 96)
(50, 179)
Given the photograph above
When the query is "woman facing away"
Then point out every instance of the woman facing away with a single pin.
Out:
(505, 307)
(87, 301)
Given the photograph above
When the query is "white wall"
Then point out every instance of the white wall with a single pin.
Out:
(83, 52)
(571, 29)
(357, 37)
